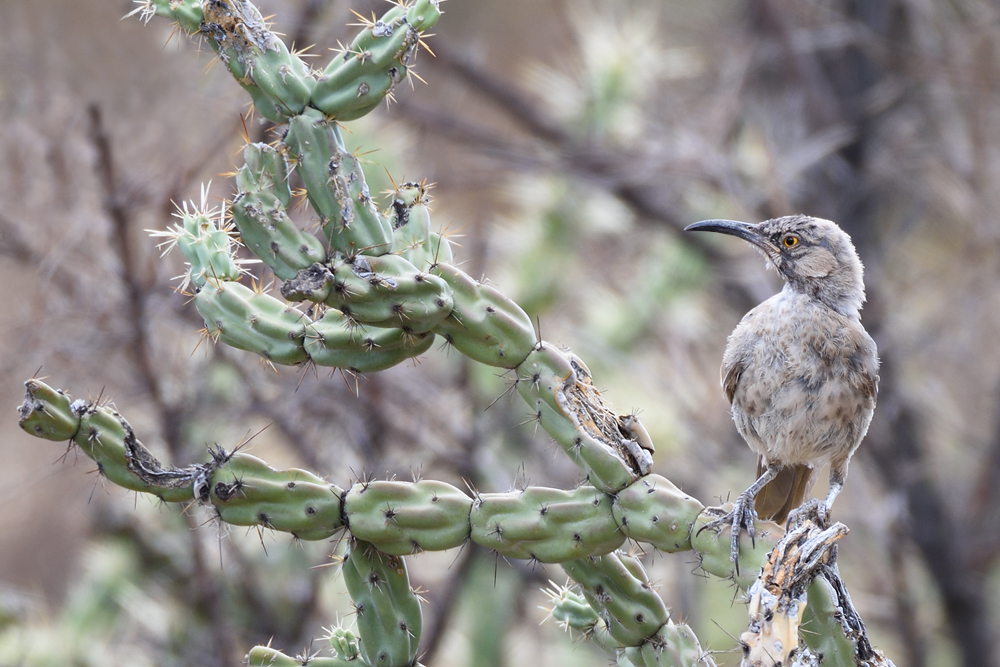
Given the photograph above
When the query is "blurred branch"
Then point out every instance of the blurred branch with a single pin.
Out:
(913, 643)
(932, 527)
(984, 510)
(824, 103)
(171, 418)
(14, 245)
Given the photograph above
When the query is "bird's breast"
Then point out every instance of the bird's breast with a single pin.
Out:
(800, 378)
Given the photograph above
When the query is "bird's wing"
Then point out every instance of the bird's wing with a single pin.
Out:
(739, 352)
(731, 374)
(865, 362)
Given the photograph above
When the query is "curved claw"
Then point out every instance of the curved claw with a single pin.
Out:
(814, 509)
(743, 515)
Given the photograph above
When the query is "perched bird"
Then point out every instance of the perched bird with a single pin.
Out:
(799, 370)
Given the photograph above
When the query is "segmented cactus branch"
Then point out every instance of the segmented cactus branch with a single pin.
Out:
(387, 520)
(397, 518)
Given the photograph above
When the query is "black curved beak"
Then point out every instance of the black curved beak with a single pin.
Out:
(744, 230)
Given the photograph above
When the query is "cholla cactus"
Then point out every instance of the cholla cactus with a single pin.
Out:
(380, 288)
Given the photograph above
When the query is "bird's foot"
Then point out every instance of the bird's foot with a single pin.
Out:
(742, 515)
(813, 509)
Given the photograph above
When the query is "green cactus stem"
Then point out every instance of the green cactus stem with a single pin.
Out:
(48, 413)
(388, 291)
(335, 185)
(486, 326)
(546, 525)
(388, 611)
(245, 491)
(378, 58)
(638, 509)
(673, 645)
(278, 81)
(549, 525)
(280, 84)
(398, 518)
(337, 341)
(617, 588)
(403, 518)
(265, 656)
(259, 211)
(251, 320)
(559, 389)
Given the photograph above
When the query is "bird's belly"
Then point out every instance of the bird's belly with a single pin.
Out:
(803, 422)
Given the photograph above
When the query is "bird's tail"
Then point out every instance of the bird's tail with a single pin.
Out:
(784, 493)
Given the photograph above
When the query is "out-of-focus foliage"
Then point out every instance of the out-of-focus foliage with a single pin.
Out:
(570, 142)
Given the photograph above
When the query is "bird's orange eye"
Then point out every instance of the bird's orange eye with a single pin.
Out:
(790, 241)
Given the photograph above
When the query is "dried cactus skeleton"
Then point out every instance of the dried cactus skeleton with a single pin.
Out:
(380, 287)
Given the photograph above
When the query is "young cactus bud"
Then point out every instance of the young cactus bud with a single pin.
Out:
(207, 242)
(47, 413)
(344, 643)
(570, 609)
(187, 14)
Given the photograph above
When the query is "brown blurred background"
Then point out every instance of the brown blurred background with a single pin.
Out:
(570, 142)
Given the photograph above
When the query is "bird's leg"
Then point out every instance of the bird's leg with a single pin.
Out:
(818, 511)
(838, 475)
(743, 513)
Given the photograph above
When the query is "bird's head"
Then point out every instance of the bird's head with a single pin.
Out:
(814, 256)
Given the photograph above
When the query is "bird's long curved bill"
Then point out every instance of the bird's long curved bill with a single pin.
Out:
(744, 230)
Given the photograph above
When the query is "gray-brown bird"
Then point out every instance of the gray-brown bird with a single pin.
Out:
(799, 370)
